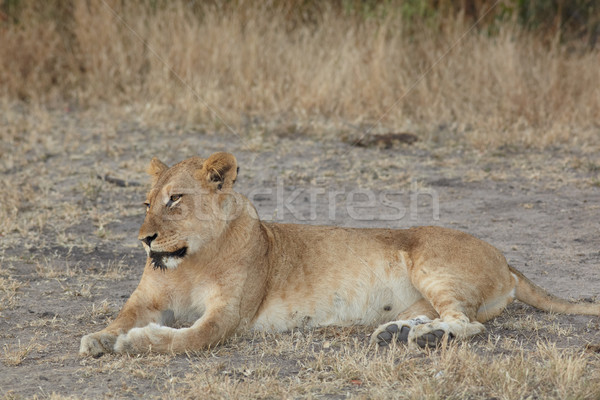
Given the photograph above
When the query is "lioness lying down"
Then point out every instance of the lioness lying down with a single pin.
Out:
(215, 267)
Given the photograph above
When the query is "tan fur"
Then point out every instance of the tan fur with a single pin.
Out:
(241, 273)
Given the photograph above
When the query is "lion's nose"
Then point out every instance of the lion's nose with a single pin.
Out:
(149, 239)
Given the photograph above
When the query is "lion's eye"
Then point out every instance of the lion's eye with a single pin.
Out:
(147, 206)
(173, 200)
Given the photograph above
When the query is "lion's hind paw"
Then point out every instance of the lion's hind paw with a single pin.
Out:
(393, 332)
(397, 331)
(433, 338)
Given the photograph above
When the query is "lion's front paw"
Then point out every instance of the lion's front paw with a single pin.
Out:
(96, 344)
(124, 345)
(152, 337)
(133, 342)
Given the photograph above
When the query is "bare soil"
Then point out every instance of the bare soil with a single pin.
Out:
(69, 258)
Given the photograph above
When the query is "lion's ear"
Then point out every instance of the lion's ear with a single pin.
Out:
(155, 169)
(219, 171)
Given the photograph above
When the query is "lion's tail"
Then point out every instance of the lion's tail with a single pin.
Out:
(530, 293)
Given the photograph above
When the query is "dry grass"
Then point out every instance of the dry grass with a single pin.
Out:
(16, 354)
(229, 66)
(300, 365)
(102, 310)
(48, 269)
(8, 292)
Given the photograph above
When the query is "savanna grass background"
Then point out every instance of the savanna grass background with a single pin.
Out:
(504, 98)
(499, 71)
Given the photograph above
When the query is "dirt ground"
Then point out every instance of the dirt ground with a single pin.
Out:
(69, 254)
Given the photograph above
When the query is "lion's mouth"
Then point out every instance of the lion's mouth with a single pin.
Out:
(160, 258)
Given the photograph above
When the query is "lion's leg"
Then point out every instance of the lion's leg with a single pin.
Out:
(141, 309)
(215, 325)
(455, 302)
(418, 313)
(448, 311)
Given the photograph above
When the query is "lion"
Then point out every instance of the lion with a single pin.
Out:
(214, 269)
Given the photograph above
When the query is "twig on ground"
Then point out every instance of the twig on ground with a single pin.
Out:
(117, 181)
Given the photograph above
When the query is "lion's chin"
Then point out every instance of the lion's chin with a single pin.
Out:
(164, 260)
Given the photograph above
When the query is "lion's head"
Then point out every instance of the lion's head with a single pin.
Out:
(188, 207)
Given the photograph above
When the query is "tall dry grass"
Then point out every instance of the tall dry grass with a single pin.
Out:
(225, 64)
